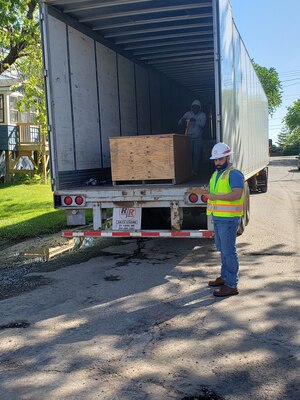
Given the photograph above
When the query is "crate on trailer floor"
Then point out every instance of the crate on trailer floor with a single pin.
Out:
(150, 158)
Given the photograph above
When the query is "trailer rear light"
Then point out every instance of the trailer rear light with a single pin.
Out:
(68, 200)
(79, 200)
(193, 198)
(73, 201)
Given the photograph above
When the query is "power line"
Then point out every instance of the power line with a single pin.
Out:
(289, 75)
(291, 71)
(292, 84)
(290, 96)
(294, 79)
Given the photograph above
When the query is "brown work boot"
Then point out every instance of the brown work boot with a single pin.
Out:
(217, 282)
(225, 291)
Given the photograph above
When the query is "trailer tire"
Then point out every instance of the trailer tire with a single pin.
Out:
(264, 188)
(246, 217)
(241, 227)
(263, 178)
(247, 203)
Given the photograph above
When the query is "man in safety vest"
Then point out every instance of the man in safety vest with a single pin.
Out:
(225, 205)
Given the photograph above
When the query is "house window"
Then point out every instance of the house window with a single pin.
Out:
(13, 110)
(32, 115)
(26, 116)
(1, 108)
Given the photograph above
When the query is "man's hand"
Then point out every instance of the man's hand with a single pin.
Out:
(236, 194)
(212, 196)
(198, 190)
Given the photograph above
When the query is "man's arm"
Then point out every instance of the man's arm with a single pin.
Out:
(235, 194)
(202, 120)
(183, 119)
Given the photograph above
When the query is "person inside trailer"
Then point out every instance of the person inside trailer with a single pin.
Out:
(194, 122)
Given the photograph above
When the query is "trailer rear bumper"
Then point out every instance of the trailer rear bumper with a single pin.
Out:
(141, 234)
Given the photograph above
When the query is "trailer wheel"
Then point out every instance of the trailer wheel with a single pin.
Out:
(241, 227)
(264, 188)
(263, 180)
(246, 217)
(247, 202)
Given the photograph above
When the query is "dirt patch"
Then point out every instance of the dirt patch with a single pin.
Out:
(18, 261)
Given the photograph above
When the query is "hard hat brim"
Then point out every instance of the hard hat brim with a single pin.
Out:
(217, 157)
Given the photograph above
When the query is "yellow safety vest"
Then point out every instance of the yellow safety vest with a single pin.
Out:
(222, 208)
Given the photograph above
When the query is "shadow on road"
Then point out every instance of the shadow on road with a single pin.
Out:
(292, 162)
(147, 332)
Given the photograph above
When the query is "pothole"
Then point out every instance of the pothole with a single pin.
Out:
(15, 324)
(205, 394)
(112, 278)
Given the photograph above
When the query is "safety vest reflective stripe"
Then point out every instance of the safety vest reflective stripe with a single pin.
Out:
(226, 211)
(231, 205)
(217, 207)
(225, 207)
(221, 207)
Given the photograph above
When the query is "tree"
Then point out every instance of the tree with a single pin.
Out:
(291, 143)
(21, 52)
(281, 138)
(19, 30)
(292, 118)
(30, 73)
(269, 79)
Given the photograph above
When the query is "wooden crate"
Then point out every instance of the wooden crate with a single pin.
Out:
(154, 158)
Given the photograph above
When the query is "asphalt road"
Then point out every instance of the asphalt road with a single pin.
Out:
(140, 323)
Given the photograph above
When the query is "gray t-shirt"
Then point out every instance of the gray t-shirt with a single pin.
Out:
(195, 129)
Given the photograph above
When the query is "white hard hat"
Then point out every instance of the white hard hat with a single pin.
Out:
(196, 103)
(220, 150)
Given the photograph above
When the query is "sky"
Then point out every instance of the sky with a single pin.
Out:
(271, 32)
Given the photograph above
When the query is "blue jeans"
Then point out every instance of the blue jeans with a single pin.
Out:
(225, 239)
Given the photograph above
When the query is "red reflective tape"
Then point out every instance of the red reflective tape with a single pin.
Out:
(178, 234)
(174, 234)
(67, 234)
(208, 234)
(92, 234)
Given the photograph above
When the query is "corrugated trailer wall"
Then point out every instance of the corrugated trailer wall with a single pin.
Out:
(96, 94)
(244, 103)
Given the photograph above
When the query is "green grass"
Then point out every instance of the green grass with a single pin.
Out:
(27, 211)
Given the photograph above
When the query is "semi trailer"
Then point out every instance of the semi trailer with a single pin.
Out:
(122, 69)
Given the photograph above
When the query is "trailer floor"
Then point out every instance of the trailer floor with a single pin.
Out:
(200, 180)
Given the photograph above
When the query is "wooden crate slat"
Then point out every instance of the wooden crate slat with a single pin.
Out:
(156, 157)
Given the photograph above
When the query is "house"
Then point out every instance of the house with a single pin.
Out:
(21, 141)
